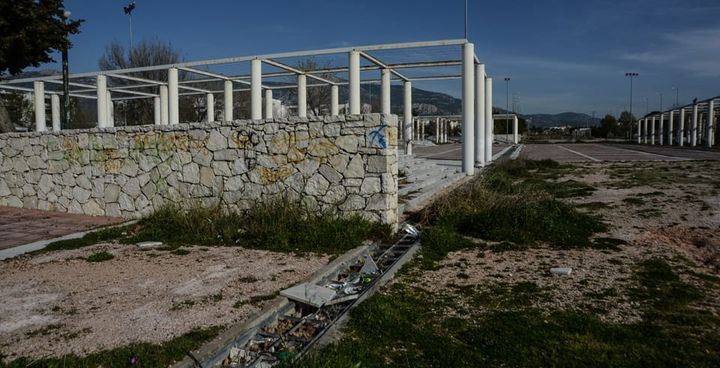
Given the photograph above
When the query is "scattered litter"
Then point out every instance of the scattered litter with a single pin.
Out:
(309, 294)
(561, 271)
(369, 267)
(317, 307)
(149, 244)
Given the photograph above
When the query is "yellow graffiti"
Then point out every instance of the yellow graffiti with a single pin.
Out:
(270, 176)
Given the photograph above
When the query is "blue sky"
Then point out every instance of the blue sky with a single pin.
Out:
(561, 55)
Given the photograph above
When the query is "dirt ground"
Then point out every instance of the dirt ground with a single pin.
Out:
(660, 209)
(59, 303)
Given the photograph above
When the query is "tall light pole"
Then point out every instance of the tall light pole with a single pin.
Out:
(128, 11)
(507, 107)
(631, 75)
(677, 96)
(65, 123)
(466, 19)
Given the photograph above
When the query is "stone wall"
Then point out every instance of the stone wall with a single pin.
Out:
(344, 163)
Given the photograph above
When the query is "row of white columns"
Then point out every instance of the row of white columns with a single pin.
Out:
(697, 132)
(476, 89)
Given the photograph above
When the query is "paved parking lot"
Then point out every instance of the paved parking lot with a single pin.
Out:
(450, 151)
(20, 226)
(615, 152)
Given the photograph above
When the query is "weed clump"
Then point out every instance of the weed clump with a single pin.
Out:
(100, 257)
(277, 226)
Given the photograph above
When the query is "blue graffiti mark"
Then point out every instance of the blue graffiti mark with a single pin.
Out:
(377, 137)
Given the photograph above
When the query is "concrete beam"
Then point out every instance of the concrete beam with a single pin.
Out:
(468, 109)
(385, 91)
(173, 97)
(101, 85)
(488, 120)
(354, 80)
(210, 106)
(55, 112)
(228, 106)
(164, 106)
(334, 100)
(407, 116)
(256, 89)
(268, 104)
(302, 96)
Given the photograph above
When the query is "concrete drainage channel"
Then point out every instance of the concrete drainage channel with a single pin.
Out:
(295, 322)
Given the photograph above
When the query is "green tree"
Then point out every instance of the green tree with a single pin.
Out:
(30, 30)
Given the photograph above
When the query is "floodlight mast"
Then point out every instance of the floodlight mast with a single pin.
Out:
(631, 75)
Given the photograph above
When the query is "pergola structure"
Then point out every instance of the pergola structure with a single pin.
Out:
(701, 127)
(260, 75)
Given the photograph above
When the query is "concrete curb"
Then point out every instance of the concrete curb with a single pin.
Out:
(41, 244)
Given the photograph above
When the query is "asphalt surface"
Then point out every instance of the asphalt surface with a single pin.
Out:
(449, 151)
(615, 152)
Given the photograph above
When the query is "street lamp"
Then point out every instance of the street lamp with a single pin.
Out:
(631, 75)
(677, 95)
(66, 77)
(507, 108)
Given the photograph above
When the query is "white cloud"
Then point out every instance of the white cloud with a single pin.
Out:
(696, 51)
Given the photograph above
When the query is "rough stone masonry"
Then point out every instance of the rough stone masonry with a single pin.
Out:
(343, 163)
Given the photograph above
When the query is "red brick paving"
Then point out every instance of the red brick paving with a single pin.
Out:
(20, 226)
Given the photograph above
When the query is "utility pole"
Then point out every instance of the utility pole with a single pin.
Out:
(65, 123)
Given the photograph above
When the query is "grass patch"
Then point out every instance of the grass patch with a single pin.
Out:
(87, 240)
(144, 354)
(100, 257)
(408, 327)
(276, 226)
(593, 206)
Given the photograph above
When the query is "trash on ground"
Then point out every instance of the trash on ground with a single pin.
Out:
(149, 244)
(561, 271)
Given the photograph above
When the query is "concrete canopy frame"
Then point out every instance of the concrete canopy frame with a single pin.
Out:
(697, 124)
(402, 63)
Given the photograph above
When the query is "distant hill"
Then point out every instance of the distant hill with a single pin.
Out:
(566, 118)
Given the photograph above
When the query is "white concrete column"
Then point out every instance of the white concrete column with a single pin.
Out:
(639, 131)
(468, 108)
(516, 139)
(671, 123)
(422, 130)
(255, 89)
(385, 91)
(694, 126)
(111, 111)
(210, 106)
(164, 106)
(101, 86)
(661, 129)
(437, 130)
(488, 120)
(156, 110)
(681, 128)
(55, 112)
(334, 100)
(645, 131)
(407, 116)
(652, 131)
(173, 97)
(710, 121)
(228, 106)
(354, 81)
(302, 95)
(268, 104)
(480, 114)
